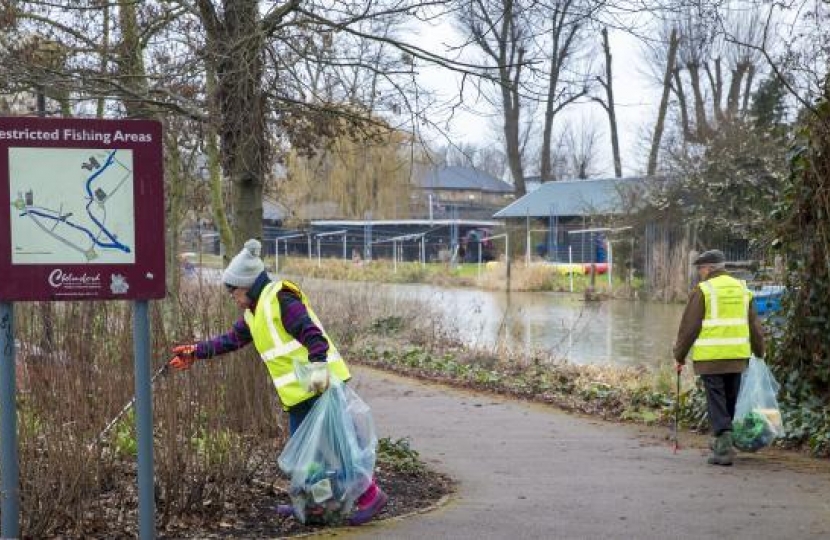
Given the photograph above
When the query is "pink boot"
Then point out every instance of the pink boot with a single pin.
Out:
(368, 505)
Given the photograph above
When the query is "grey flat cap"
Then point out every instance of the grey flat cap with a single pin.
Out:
(713, 256)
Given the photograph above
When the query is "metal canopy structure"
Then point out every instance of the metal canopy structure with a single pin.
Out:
(576, 198)
(405, 222)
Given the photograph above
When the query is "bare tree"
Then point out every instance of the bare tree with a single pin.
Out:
(693, 50)
(499, 28)
(492, 160)
(664, 104)
(608, 104)
(581, 140)
(719, 71)
(258, 101)
(460, 155)
(567, 21)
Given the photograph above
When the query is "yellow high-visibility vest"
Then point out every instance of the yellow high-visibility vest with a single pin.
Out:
(278, 349)
(725, 331)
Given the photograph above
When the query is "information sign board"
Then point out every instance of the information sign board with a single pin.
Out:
(81, 209)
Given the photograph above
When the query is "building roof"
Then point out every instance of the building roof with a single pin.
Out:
(576, 198)
(456, 177)
(404, 222)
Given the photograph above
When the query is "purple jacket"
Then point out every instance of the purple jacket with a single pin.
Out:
(295, 319)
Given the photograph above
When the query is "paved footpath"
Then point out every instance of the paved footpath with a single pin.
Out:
(530, 471)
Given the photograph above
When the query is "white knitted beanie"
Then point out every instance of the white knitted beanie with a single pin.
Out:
(245, 267)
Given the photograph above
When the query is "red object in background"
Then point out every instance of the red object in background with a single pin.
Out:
(87, 200)
(599, 268)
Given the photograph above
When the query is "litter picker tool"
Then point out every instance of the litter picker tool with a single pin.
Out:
(679, 369)
(161, 371)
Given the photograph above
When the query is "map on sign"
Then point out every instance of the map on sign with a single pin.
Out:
(71, 206)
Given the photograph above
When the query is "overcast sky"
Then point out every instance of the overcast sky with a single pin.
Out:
(636, 97)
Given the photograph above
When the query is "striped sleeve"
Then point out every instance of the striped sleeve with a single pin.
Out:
(237, 337)
(298, 323)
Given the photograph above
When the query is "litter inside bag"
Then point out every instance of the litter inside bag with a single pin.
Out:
(757, 416)
(331, 457)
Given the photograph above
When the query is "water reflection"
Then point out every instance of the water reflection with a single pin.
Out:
(614, 331)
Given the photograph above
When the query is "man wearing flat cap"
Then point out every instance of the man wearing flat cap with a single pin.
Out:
(721, 328)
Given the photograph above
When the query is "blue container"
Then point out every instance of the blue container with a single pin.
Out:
(768, 299)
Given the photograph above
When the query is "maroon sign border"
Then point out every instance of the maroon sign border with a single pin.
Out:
(145, 278)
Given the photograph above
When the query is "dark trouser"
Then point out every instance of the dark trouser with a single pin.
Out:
(721, 396)
(298, 412)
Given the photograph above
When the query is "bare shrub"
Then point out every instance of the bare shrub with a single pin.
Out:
(351, 311)
(215, 425)
(208, 421)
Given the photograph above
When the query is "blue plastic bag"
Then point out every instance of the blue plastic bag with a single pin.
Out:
(331, 457)
(757, 419)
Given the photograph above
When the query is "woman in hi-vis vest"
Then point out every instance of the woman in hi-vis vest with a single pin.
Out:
(721, 328)
(280, 322)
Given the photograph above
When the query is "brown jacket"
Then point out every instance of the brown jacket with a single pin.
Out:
(692, 322)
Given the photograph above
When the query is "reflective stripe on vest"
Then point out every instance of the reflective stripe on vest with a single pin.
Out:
(279, 350)
(289, 378)
(724, 334)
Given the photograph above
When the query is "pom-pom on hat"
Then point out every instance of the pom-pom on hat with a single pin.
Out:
(713, 256)
(245, 267)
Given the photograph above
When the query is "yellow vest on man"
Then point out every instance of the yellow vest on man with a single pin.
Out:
(725, 331)
(279, 349)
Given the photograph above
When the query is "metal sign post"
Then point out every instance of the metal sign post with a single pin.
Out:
(83, 204)
(9, 468)
(144, 420)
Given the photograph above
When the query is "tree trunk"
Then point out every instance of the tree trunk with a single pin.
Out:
(503, 42)
(702, 129)
(105, 46)
(651, 170)
(514, 151)
(682, 104)
(242, 116)
(217, 203)
(546, 167)
(131, 62)
(175, 197)
(734, 96)
(512, 122)
(716, 82)
(610, 109)
(560, 49)
(750, 78)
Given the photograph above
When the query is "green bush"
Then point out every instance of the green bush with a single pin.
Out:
(124, 439)
(399, 456)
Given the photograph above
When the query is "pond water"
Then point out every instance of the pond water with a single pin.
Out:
(563, 325)
(621, 332)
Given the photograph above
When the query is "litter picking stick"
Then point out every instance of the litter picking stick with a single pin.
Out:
(161, 371)
(677, 411)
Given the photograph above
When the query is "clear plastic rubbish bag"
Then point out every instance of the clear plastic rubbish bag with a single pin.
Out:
(331, 457)
(757, 416)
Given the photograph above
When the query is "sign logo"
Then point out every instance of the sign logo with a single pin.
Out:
(119, 284)
(60, 280)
